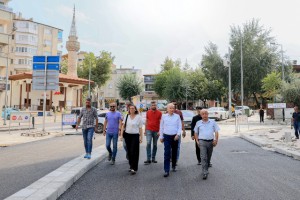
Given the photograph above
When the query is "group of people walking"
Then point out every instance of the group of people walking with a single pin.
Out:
(168, 128)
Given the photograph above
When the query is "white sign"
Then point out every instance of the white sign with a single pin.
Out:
(69, 119)
(19, 117)
(276, 105)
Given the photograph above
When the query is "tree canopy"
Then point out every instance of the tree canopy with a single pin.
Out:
(129, 85)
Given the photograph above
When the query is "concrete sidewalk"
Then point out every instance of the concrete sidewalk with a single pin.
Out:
(271, 136)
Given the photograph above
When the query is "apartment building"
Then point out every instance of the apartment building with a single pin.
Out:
(33, 38)
(109, 91)
(6, 29)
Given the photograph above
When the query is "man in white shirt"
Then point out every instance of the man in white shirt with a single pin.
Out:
(170, 131)
(206, 136)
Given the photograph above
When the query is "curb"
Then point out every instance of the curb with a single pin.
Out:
(57, 182)
(259, 143)
(278, 149)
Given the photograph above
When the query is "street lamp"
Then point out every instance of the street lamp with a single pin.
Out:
(89, 79)
(227, 63)
(6, 81)
(282, 67)
(242, 77)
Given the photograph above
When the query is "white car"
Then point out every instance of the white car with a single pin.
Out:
(218, 113)
(187, 118)
(238, 110)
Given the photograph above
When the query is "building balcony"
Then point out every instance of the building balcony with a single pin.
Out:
(3, 62)
(22, 67)
(5, 13)
(4, 38)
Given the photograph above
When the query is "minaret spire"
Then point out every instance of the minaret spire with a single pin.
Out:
(73, 31)
(73, 47)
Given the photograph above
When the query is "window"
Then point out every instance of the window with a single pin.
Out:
(48, 31)
(1, 28)
(11, 61)
(110, 86)
(48, 43)
(12, 37)
(28, 87)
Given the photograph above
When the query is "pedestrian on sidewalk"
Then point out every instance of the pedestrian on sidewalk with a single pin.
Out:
(133, 137)
(178, 112)
(112, 130)
(206, 135)
(153, 117)
(170, 131)
(296, 121)
(89, 117)
(195, 119)
(261, 114)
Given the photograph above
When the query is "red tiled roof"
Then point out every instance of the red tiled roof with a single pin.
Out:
(62, 78)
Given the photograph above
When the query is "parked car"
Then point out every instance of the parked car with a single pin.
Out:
(8, 112)
(218, 113)
(238, 110)
(187, 118)
(101, 117)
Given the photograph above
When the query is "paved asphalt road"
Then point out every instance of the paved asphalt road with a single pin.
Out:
(240, 171)
(23, 164)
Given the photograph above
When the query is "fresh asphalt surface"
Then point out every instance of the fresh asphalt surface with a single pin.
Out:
(240, 171)
(24, 164)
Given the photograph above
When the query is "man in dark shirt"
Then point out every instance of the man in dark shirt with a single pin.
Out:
(194, 121)
(296, 119)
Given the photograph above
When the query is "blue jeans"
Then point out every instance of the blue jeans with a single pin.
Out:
(296, 127)
(171, 147)
(88, 139)
(149, 136)
(114, 137)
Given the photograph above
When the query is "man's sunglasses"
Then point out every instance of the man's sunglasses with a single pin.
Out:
(112, 106)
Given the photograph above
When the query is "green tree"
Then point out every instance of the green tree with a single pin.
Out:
(129, 85)
(259, 57)
(170, 64)
(212, 63)
(271, 85)
(291, 92)
(100, 68)
(64, 66)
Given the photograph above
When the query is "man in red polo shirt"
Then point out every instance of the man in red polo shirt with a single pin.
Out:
(153, 117)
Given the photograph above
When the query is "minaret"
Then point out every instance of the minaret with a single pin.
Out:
(73, 47)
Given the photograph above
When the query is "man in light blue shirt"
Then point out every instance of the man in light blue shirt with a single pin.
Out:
(206, 136)
(170, 131)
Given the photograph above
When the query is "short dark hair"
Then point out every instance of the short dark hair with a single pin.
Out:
(199, 108)
(153, 102)
(174, 100)
(88, 99)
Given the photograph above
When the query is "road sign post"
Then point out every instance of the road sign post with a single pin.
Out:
(45, 77)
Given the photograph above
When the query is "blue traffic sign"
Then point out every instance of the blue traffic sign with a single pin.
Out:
(53, 67)
(39, 59)
(38, 66)
(53, 59)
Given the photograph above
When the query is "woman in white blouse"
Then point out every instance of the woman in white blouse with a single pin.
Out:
(133, 137)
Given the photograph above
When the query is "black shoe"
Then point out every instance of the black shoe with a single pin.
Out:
(154, 161)
(147, 162)
(199, 162)
(129, 170)
(133, 172)
(113, 162)
(166, 174)
(209, 165)
(174, 169)
(109, 157)
(204, 177)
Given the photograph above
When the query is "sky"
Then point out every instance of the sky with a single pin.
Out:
(142, 33)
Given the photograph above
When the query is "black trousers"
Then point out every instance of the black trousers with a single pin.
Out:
(261, 117)
(197, 152)
(171, 148)
(133, 150)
